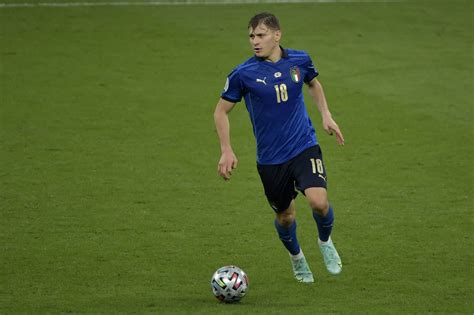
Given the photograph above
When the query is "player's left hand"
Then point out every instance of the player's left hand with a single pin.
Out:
(331, 127)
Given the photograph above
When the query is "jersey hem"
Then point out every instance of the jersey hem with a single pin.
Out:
(309, 145)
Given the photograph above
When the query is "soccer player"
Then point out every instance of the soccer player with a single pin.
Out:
(288, 155)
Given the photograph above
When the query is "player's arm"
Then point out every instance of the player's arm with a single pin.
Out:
(228, 160)
(329, 125)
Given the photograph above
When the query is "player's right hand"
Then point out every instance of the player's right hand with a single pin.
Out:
(227, 163)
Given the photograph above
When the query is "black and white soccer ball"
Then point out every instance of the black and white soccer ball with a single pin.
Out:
(229, 284)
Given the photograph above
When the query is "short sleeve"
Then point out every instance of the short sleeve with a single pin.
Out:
(233, 88)
(310, 70)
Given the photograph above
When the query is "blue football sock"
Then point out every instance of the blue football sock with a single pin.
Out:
(324, 224)
(288, 237)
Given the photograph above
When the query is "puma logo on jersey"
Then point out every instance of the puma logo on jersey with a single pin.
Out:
(262, 81)
(322, 177)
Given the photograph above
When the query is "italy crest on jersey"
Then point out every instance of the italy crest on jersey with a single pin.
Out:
(295, 74)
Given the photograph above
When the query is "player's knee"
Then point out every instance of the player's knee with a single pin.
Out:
(320, 206)
(285, 219)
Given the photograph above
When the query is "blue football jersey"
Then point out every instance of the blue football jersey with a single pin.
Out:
(273, 94)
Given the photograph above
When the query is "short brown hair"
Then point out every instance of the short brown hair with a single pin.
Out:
(266, 18)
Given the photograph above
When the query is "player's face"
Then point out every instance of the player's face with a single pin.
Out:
(265, 42)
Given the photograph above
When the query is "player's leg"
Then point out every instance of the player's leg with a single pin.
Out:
(285, 224)
(311, 180)
(280, 193)
(323, 213)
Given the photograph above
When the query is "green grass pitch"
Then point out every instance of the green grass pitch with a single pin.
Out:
(109, 196)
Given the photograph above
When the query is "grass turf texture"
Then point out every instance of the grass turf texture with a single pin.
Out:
(110, 200)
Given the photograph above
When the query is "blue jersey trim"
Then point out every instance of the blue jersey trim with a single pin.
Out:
(315, 75)
(229, 99)
(297, 55)
(246, 65)
(241, 67)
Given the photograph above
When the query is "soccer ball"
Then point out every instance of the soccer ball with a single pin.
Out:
(229, 284)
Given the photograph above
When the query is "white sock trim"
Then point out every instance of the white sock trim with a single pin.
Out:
(297, 256)
(324, 243)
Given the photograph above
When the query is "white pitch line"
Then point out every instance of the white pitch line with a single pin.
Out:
(160, 3)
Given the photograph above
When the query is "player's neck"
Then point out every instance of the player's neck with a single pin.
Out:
(275, 56)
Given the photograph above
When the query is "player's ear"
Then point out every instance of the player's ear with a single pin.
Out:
(277, 35)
